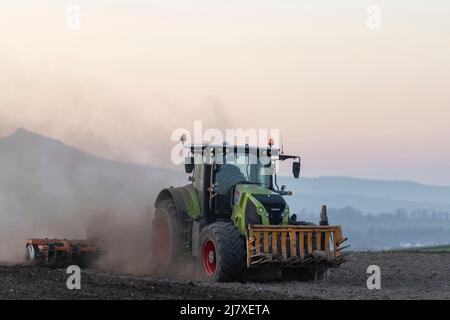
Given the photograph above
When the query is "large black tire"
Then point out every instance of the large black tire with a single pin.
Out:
(222, 252)
(167, 238)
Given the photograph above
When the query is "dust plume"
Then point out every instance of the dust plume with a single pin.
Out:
(48, 189)
(53, 189)
(124, 241)
(104, 118)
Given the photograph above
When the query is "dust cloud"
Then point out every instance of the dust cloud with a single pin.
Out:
(48, 189)
(105, 118)
(92, 159)
(104, 178)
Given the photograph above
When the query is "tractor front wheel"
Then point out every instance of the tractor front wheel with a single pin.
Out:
(221, 253)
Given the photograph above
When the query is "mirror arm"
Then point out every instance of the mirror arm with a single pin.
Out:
(275, 181)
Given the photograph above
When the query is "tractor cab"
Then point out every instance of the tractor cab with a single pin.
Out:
(225, 176)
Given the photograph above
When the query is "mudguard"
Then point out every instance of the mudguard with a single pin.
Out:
(185, 198)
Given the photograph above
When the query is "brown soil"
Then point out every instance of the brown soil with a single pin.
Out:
(405, 275)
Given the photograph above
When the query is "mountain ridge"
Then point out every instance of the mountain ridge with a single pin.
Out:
(39, 154)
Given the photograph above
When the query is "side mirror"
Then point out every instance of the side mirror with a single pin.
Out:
(189, 164)
(296, 169)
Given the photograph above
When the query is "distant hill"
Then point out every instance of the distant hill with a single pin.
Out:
(35, 168)
(376, 214)
(401, 190)
(50, 189)
(375, 196)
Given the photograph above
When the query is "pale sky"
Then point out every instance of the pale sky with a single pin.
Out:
(352, 101)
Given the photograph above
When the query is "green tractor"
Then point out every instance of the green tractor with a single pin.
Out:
(232, 218)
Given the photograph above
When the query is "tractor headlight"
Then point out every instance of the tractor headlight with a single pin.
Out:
(260, 210)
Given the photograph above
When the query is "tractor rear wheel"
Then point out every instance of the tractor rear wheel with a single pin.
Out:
(221, 252)
(167, 237)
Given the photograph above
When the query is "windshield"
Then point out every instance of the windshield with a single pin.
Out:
(240, 168)
(244, 168)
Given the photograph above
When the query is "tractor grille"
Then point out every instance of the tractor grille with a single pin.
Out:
(275, 206)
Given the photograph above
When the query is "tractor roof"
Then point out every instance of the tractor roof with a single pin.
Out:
(226, 148)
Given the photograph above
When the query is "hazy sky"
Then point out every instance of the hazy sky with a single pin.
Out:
(351, 100)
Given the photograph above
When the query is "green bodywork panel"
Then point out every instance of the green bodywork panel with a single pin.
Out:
(187, 200)
(243, 194)
(192, 203)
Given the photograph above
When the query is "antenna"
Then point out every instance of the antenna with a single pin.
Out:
(281, 142)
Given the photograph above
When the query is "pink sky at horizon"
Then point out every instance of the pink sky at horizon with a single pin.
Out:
(352, 101)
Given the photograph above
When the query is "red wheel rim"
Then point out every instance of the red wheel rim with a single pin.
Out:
(209, 257)
(161, 241)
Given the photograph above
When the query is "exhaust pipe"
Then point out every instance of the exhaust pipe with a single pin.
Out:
(323, 216)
